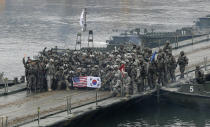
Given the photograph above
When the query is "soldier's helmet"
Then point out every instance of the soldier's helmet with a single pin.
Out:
(158, 57)
(123, 62)
(79, 69)
(182, 53)
(167, 43)
(115, 66)
(149, 51)
(135, 63)
(126, 74)
(197, 67)
(71, 72)
(61, 68)
(84, 70)
(51, 60)
(160, 50)
(96, 66)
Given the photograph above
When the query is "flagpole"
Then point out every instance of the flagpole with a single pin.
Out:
(122, 88)
(122, 69)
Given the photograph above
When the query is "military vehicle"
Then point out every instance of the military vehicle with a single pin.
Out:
(188, 92)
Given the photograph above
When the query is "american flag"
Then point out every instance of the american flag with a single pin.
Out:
(80, 81)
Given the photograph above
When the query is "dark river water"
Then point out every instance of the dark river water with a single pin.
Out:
(162, 115)
(27, 26)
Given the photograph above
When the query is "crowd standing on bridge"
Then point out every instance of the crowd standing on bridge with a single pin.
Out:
(143, 69)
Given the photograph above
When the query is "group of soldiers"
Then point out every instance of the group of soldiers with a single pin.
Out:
(143, 68)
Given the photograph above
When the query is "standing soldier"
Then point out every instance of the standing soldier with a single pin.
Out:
(127, 82)
(152, 73)
(134, 78)
(165, 60)
(41, 75)
(167, 48)
(199, 75)
(161, 70)
(171, 65)
(117, 84)
(162, 62)
(182, 61)
(50, 73)
(143, 75)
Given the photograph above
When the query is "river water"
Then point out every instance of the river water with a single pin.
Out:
(27, 26)
(155, 115)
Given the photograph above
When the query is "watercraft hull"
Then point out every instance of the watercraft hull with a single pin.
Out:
(185, 99)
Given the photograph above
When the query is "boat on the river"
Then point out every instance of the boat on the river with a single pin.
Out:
(188, 92)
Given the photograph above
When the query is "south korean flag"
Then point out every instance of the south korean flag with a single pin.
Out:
(93, 82)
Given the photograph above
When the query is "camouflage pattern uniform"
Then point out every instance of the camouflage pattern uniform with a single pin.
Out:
(127, 84)
(50, 74)
(152, 74)
(167, 48)
(182, 62)
(143, 76)
(171, 65)
(161, 70)
(199, 75)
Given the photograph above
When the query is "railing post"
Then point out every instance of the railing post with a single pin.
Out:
(159, 44)
(38, 110)
(5, 88)
(205, 63)
(192, 38)
(2, 121)
(177, 41)
(6, 121)
(67, 105)
(70, 105)
(5, 85)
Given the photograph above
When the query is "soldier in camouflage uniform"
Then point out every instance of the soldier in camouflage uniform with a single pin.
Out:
(117, 84)
(199, 75)
(167, 48)
(134, 79)
(50, 74)
(171, 65)
(152, 74)
(182, 62)
(32, 78)
(41, 76)
(143, 75)
(127, 84)
(59, 78)
(161, 70)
